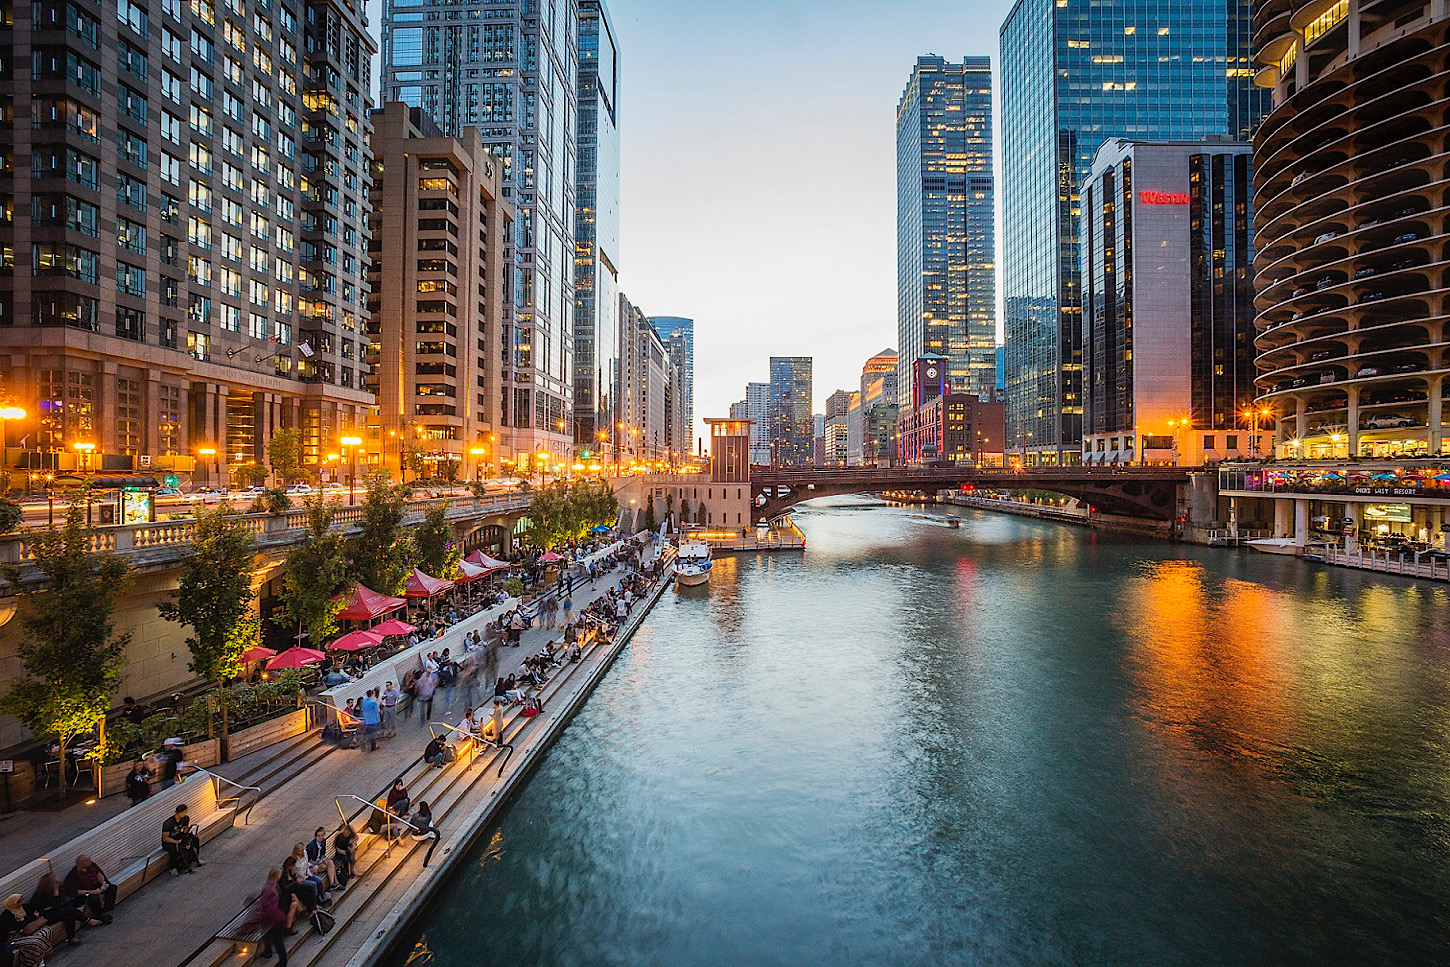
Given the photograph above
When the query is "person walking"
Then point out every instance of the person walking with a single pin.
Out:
(268, 916)
(426, 686)
(372, 718)
(569, 608)
(390, 710)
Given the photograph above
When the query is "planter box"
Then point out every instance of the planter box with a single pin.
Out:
(269, 732)
(205, 754)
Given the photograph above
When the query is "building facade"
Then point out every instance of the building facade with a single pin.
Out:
(945, 230)
(878, 409)
(1073, 76)
(596, 229)
(1352, 268)
(837, 430)
(436, 307)
(678, 334)
(185, 224)
(792, 432)
(1167, 304)
(955, 428)
(757, 410)
(510, 69)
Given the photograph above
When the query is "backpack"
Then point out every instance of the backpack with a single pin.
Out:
(323, 922)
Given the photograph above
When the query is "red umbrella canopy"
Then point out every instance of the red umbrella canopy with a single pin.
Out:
(550, 557)
(470, 572)
(357, 641)
(422, 585)
(393, 627)
(295, 658)
(257, 654)
(483, 560)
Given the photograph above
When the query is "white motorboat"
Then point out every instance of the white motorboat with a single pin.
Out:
(1277, 545)
(693, 564)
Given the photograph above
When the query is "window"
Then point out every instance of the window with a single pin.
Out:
(131, 236)
(130, 148)
(170, 169)
(201, 84)
(130, 323)
(257, 326)
(231, 318)
(171, 86)
(57, 258)
(133, 15)
(171, 127)
(198, 270)
(199, 195)
(199, 345)
(201, 158)
(131, 59)
(201, 46)
(171, 45)
(198, 232)
(130, 279)
(201, 121)
(131, 192)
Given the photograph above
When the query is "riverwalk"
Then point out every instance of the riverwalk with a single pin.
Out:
(169, 921)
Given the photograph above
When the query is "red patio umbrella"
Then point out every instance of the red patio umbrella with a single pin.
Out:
(357, 641)
(483, 560)
(422, 585)
(393, 627)
(257, 654)
(365, 604)
(549, 557)
(295, 658)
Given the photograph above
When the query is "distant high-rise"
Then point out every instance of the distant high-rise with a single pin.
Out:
(878, 408)
(678, 335)
(792, 429)
(596, 230)
(514, 76)
(946, 273)
(1073, 76)
(757, 408)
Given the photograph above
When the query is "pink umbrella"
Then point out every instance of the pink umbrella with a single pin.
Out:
(357, 641)
(393, 627)
(256, 654)
(295, 658)
(549, 558)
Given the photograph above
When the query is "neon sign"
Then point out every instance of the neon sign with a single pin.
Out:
(1163, 197)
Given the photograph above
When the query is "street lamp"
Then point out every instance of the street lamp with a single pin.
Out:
(85, 450)
(350, 445)
(478, 453)
(7, 413)
(207, 455)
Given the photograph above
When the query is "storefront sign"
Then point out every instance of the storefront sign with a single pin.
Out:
(1163, 197)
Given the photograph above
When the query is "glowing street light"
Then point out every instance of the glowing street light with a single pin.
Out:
(7, 413)
(350, 445)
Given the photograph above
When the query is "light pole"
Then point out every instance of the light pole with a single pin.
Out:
(350, 445)
(478, 453)
(208, 456)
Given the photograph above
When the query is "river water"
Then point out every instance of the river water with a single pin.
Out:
(1013, 743)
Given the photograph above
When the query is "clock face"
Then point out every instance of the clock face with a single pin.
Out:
(931, 372)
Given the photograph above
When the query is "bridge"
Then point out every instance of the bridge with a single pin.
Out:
(1144, 492)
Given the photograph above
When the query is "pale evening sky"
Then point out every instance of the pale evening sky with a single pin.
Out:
(759, 173)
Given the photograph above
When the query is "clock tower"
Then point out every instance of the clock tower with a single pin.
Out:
(928, 379)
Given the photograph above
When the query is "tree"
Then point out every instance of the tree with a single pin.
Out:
(285, 452)
(381, 549)
(437, 552)
(71, 659)
(448, 469)
(316, 572)
(702, 514)
(214, 598)
(250, 474)
(685, 511)
(11, 514)
(411, 456)
(649, 513)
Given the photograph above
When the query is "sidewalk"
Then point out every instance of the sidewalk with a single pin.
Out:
(169, 917)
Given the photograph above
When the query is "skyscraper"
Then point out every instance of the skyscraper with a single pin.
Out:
(792, 429)
(678, 334)
(1074, 75)
(596, 229)
(946, 276)
(757, 409)
(185, 229)
(878, 408)
(513, 74)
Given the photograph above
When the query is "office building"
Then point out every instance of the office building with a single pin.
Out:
(596, 230)
(791, 427)
(185, 247)
(436, 307)
(836, 430)
(1167, 302)
(510, 69)
(946, 272)
(879, 381)
(1351, 218)
(1074, 76)
(854, 430)
(678, 334)
(757, 410)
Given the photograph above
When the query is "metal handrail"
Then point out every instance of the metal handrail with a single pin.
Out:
(387, 828)
(476, 740)
(243, 811)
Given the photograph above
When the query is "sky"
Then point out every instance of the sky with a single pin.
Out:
(759, 173)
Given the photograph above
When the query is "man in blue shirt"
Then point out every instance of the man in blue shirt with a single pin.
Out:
(372, 716)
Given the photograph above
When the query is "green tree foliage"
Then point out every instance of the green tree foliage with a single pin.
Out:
(650, 523)
(562, 511)
(214, 596)
(316, 573)
(435, 550)
(249, 474)
(381, 550)
(71, 659)
(285, 452)
(448, 469)
(685, 517)
(702, 514)
(10, 515)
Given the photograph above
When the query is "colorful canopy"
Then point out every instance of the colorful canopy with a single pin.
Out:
(483, 560)
(470, 572)
(295, 658)
(357, 641)
(257, 654)
(367, 604)
(549, 557)
(422, 585)
(393, 627)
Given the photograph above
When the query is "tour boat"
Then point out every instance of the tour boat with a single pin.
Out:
(692, 563)
(1277, 545)
(940, 521)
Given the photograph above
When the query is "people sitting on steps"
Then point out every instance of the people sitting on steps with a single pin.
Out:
(318, 862)
(344, 852)
(182, 842)
(437, 753)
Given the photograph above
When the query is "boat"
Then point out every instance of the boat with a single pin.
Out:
(693, 564)
(939, 521)
(1277, 545)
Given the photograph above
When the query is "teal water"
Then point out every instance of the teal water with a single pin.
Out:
(1013, 743)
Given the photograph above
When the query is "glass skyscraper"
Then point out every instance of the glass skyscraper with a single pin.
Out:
(792, 428)
(678, 334)
(596, 230)
(510, 68)
(946, 276)
(1073, 75)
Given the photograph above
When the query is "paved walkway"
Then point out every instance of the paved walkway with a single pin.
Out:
(169, 917)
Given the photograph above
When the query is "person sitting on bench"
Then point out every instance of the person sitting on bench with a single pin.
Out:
(138, 783)
(179, 839)
(87, 885)
(317, 860)
(47, 901)
(303, 871)
(25, 935)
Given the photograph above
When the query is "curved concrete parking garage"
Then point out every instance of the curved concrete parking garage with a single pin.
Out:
(1353, 225)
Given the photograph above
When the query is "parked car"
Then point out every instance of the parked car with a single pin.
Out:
(1365, 272)
(1367, 371)
(1388, 421)
(1322, 354)
(208, 495)
(300, 488)
(1325, 282)
(1409, 367)
(1404, 264)
(1302, 290)
(1371, 297)
(1299, 315)
(168, 492)
(1328, 377)
(1407, 237)
(1371, 223)
(1326, 237)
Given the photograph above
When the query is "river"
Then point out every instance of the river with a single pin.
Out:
(1016, 742)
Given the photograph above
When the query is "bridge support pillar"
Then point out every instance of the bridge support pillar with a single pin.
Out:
(1283, 516)
(1301, 521)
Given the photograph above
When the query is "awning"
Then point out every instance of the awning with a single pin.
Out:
(470, 572)
(484, 561)
(393, 627)
(357, 641)
(295, 658)
(422, 585)
(367, 605)
(549, 557)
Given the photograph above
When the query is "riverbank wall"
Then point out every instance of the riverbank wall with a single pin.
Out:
(1070, 512)
(389, 932)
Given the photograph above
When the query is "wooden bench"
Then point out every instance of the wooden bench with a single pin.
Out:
(128, 846)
